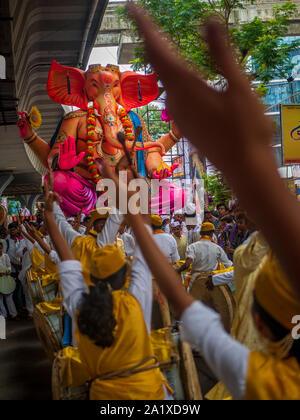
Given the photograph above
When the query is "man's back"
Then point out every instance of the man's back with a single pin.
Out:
(168, 246)
(206, 255)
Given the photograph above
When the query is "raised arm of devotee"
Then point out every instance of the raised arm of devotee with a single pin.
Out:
(34, 233)
(238, 114)
(65, 228)
(70, 271)
(141, 284)
(23, 231)
(110, 229)
(60, 243)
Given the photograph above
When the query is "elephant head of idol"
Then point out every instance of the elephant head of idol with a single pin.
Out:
(106, 87)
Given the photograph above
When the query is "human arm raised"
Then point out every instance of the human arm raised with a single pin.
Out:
(58, 240)
(243, 152)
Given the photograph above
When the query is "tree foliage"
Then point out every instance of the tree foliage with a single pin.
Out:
(259, 44)
(152, 118)
(217, 189)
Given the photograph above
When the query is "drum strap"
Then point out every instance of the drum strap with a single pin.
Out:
(125, 373)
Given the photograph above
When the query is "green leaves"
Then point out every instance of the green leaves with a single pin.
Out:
(259, 44)
(217, 188)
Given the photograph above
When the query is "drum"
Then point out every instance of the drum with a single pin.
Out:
(161, 317)
(69, 376)
(47, 321)
(220, 299)
(184, 274)
(34, 287)
(48, 290)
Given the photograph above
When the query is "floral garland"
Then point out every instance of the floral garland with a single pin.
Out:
(91, 126)
(127, 124)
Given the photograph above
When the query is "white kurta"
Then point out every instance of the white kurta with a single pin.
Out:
(7, 287)
(206, 255)
(129, 243)
(227, 358)
(12, 249)
(7, 283)
(168, 246)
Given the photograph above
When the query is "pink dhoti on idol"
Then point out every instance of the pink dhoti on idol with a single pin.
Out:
(75, 191)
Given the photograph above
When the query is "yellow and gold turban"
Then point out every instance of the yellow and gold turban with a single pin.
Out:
(275, 294)
(156, 220)
(207, 227)
(107, 261)
(100, 214)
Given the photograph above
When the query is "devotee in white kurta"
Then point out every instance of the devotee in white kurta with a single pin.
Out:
(7, 286)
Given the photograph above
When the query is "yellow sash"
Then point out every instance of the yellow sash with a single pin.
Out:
(272, 379)
(37, 259)
(131, 346)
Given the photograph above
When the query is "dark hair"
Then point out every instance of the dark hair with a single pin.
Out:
(241, 216)
(222, 205)
(278, 331)
(228, 219)
(208, 233)
(13, 225)
(1, 244)
(156, 227)
(96, 318)
(86, 219)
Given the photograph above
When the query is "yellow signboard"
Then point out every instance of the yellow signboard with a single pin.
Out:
(290, 125)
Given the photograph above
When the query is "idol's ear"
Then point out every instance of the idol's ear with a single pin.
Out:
(138, 90)
(66, 85)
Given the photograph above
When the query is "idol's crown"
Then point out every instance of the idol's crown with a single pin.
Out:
(96, 68)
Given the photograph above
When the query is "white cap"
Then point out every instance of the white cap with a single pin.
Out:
(190, 209)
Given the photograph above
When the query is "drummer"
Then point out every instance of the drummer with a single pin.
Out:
(205, 255)
(165, 241)
(7, 286)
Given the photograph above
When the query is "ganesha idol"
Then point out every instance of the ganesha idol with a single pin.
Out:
(105, 98)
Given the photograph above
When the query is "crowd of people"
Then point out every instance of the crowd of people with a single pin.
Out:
(110, 305)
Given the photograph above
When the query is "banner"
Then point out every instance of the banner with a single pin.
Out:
(290, 126)
(180, 170)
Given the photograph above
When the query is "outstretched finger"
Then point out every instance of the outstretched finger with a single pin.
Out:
(170, 67)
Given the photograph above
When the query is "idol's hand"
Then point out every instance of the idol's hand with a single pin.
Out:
(165, 172)
(24, 125)
(67, 155)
